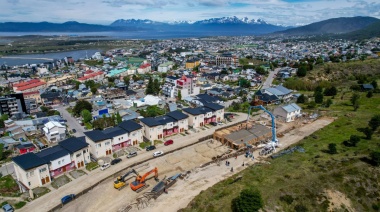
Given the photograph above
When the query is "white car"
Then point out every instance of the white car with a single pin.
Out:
(158, 153)
(105, 166)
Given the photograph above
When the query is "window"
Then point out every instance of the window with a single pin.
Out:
(31, 173)
(99, 145)
(79, 154)
(63, 160)
(29, 184)
(107, 143)
(42, 170)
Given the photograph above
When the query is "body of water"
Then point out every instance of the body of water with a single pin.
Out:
(13, 60)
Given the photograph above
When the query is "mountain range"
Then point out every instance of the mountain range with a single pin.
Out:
(225, 26)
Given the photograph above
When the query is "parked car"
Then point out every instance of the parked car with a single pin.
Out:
(131, 154)
(214, 123)
(168, 142)
(115, 161)
(105, 166)
(67, 198)
(158, 153)
(8, 208)
(150, 148)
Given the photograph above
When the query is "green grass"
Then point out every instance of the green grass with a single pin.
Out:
(9, 187)
(20, 204)
(3, 203)
(156, 142)
(143, 145)
(88, 126)
(304, 177)
(91, 166)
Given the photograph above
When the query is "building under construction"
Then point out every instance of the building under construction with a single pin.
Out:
(239, 135)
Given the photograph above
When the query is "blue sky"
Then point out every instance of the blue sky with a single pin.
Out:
(285, 12)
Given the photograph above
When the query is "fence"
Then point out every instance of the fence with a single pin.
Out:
(56, 208)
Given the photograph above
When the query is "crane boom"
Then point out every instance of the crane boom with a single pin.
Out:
(274, 136)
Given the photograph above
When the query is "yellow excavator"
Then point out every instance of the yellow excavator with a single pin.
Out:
(119, 183)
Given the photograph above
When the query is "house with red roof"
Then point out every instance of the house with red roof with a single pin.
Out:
(29, 86)
(144, 68)
(88, 75)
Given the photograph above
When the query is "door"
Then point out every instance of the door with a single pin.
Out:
(78, 165)
(81, 164)
(47, 179)
(64, 169)
(43, 181)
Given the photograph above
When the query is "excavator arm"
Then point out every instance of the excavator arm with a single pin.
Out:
(139, 183)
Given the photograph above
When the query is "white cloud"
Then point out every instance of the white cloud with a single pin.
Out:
(106, 11)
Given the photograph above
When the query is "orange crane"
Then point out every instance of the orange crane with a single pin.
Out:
(139, 183)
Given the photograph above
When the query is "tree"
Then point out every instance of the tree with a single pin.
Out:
(57, 113)
(118, 118)
(318, 97)
(354, 139)
(94, 90)
(156, 86)
(329, 102)
(126, 80)
(244, 98)
(374, 123)
(355, 101)
(369, 94)
(249, 200)
(301, 72)
(368, 132)
(44, 109)
(86, 115)
(4, 117)
(1, 151)
(374, 84)
(179, 96)
(332, 148)
(81, 105)
(301, 99)
(150, 87)
(318, 89)
(244, 83)
(375, 157)
(331, 91)
(152, 111)
(89, 83)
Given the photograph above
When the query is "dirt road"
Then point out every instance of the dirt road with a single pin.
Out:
(184, 191)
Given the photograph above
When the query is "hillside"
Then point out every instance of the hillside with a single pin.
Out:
(372, 30)
(315, 180)
(332, 26)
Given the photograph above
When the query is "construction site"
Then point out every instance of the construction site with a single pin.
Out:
(171, 181)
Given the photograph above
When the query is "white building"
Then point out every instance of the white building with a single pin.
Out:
(165, 67)
(34, 170)
(287, 113)
(106, 142)
(54, 131)
(201, 116)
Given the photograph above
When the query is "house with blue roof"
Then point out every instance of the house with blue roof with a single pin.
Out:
(280, 91)
(162, 126)
(106, 142)
(37, 169)
(287, 113)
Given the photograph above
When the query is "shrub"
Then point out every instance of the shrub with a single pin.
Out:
(375, 158)
(374, 123)
(332, 149)
(301, 99)
(354, 139)
(300, 208)
(248, 200)
(287, 198)
(20, 204)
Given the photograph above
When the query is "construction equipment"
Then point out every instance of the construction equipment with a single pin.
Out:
(274, 136)
(139, 184)
(120, 181)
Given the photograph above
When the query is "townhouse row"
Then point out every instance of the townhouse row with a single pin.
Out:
(37, 169)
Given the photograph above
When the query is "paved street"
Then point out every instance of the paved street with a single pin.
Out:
(72, 123)
(52, 199)
(7, 168)
(269, 80)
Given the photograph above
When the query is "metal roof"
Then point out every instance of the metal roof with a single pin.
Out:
(28, 161)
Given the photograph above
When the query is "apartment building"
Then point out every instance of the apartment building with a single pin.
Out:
(105, 142)
(13, 104)
(37, 169)
(162, 126)
(29, 86)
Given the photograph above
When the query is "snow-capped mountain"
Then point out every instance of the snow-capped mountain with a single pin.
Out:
(231, 20)
(122, 22)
